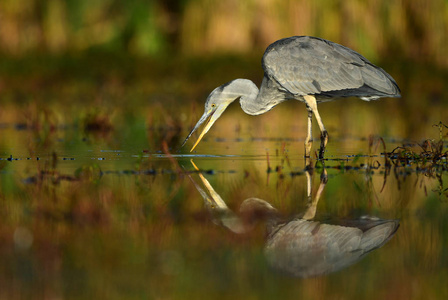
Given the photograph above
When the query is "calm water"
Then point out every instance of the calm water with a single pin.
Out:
(124, 213)
(87, 216)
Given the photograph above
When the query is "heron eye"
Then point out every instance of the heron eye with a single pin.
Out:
(213, 105)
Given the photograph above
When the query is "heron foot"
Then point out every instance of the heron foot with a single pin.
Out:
(308, 150)
(323, 143)
(308, 146)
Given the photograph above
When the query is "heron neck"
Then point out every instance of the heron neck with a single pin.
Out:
(249, 104)
(263, 100)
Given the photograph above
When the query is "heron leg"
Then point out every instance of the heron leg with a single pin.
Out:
(309, 136)
(311, 104)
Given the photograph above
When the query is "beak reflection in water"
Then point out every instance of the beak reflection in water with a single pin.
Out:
(209, 117)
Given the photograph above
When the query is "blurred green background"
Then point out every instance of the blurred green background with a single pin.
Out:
(406, 29)
(75, 61)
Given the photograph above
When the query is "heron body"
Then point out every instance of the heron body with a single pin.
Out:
(304, 68)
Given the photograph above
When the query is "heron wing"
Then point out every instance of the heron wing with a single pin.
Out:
(307, 65)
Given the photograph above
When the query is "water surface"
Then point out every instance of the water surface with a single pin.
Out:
(84, 216)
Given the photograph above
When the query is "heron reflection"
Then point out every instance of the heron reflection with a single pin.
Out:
(302, 247)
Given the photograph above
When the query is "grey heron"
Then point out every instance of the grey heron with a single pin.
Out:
(304, 68)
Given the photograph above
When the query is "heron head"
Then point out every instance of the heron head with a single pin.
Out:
(216, 104)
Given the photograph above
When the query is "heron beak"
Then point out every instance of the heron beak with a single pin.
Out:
(210, 116)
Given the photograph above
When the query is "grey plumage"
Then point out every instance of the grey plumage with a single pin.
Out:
(304, 65)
